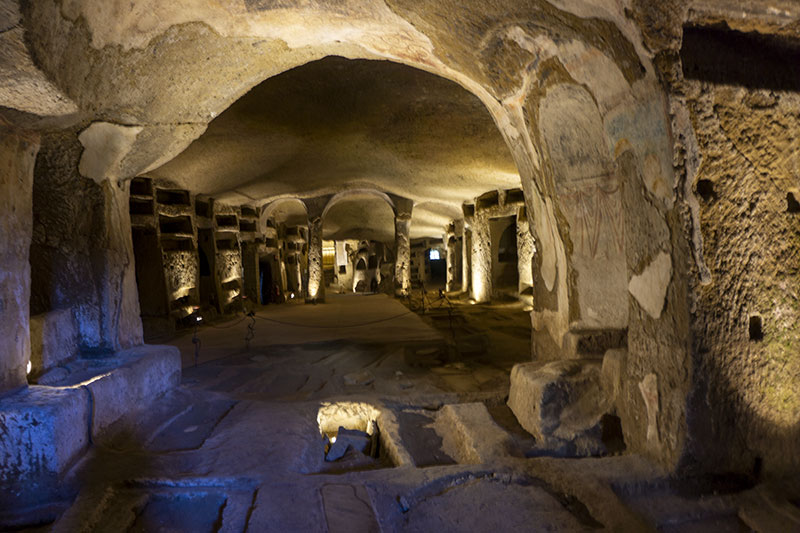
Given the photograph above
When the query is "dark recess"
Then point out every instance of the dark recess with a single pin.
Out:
(173, 197)
(227, 221)
(792, 205)
(141, 207)
(756, 333)
(226, 244)
(717, 54)
(705, 188)
(173, 225)
(141, 187)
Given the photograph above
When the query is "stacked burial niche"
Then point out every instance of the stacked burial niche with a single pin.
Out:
(227, 258)
(165, 247)
(189, 253)
(281, 252)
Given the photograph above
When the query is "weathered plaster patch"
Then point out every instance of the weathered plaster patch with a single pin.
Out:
(650, 287)
(644, 126)
(591, 67)
(105, 146)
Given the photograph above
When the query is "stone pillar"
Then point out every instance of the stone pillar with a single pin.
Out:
(298, 271)
(481, 260)
(120, 320)
(251, 271)
(316, 283)
(525, 250)
(17, 159)
(315, 207)
(466, 260)
(284, 277)
(402, 245)
(450, 241)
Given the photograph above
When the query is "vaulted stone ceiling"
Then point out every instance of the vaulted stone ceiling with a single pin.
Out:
(359, 216)
(337, 124)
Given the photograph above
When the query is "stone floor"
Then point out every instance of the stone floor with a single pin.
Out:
(241, 444)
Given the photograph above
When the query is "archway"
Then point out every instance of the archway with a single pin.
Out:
(284, 223)
(505, 271)
(362, 221)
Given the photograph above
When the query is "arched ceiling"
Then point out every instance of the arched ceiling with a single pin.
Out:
(359, 216)
(337, 124)
(291, 212)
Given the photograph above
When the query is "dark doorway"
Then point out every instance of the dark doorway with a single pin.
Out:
(149, 274)
(505, 271)
(205, 256)
(265, 280)
(438, 268)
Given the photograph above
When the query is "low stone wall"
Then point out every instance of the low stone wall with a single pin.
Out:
(46, 429)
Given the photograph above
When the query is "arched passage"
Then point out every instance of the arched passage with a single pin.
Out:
(284, 223)
(532, 62)
(360, 225)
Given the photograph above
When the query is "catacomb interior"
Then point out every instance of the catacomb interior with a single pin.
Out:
(399, 266)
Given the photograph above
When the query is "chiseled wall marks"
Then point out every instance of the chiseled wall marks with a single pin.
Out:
(745, 320)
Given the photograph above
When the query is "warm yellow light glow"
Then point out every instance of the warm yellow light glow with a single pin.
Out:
(181, 292)
(233, 295)
(333, 439)
(479, 287)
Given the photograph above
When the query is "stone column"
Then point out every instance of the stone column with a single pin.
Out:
(525, 250)
(120, 321)
(283, 276)
(450, 241)
(316, 283)
(315, 207)
(298, 271)
(17, 158)
(481, 260)
(251, 271)
(402, 245)
(466, 260)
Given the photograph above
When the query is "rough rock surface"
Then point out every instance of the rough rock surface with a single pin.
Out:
(471, 436)
(44, 430)
(17, 156)
(561, 404)
(746, 319)
(624, 153)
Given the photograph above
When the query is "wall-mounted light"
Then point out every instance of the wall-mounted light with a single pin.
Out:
(30, 367)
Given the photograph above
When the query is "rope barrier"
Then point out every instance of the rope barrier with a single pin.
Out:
(251, 329)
